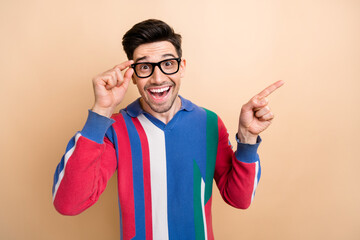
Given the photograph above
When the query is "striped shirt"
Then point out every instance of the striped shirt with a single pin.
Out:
(165, 172)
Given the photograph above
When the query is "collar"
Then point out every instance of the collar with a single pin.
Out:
(134, 109)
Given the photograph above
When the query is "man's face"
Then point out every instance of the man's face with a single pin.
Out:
(159, 91)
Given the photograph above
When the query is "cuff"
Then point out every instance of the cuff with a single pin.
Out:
(247, 152)
(96, 126)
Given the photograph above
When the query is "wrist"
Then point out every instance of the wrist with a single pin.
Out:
(246, 137)
(106, 112)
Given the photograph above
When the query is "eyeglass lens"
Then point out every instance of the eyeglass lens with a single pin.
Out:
(169, 66)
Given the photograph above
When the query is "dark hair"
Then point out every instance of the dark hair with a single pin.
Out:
(149, 31)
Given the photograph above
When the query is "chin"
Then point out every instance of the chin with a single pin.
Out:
(161, 109)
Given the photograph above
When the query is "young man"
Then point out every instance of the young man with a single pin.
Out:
(166, 150)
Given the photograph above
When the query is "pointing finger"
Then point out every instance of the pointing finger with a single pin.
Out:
(267, 91)
(255, 104)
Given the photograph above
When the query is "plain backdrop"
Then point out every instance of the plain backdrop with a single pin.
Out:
(51, 49)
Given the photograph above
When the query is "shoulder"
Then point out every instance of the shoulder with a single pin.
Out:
(210, 113)
(130, 111)
(211, 118)
(189, 106)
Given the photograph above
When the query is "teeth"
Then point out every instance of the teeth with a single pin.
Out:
(159, 90)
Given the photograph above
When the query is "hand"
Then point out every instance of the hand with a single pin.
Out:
(110, 88)
(256, 115)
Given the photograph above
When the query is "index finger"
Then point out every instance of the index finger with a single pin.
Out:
(267, 91)
(124, 65)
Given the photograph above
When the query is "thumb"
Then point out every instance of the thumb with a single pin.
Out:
(127, 77)
(129, 72)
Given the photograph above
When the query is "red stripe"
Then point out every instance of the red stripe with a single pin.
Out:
(125, 179)
(146, 177)
(233, 174)
(208, 218)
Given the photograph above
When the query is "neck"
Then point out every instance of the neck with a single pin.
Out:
(165, 117)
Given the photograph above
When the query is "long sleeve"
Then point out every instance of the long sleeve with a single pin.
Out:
(84, 170)
(236, 174)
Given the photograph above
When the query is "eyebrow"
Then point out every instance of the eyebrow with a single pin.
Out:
(163, 56)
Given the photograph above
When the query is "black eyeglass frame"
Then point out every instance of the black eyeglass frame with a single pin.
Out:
(156, 64)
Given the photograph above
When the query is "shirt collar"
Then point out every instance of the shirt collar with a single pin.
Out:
(134, 109)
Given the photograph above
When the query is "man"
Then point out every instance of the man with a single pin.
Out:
(166, 150)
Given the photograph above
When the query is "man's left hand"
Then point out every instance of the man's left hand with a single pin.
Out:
(256, 115)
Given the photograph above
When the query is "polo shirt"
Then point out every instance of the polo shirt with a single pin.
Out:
(165, 172)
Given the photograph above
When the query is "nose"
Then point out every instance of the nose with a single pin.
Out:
(157, 76)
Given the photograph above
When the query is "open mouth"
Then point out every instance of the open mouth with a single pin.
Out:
(159, 93)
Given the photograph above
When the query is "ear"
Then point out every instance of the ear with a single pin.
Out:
(133, 79)
(182, 68)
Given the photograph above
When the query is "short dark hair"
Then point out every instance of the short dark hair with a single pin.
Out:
(149, 31)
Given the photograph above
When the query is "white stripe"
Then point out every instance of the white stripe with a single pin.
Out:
(203, 206)
(156, 140)
(255, 180)
(66, 158)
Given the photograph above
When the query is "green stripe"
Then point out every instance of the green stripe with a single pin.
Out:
(198, 216)
(212, 136)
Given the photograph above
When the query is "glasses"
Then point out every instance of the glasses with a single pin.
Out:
(146, 69)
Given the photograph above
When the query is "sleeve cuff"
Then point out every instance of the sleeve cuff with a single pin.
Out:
(247, 152)
(96, 126)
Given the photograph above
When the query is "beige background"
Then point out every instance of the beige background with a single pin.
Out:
(50, 50)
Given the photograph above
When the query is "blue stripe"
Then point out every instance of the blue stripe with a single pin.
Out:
(111, 135)
(184, 143)
(138, 181)
(61, 166)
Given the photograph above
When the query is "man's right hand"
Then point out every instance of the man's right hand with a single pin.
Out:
(110, 88)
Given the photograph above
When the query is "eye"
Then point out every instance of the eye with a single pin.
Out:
(169, 63)
(144, 67)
